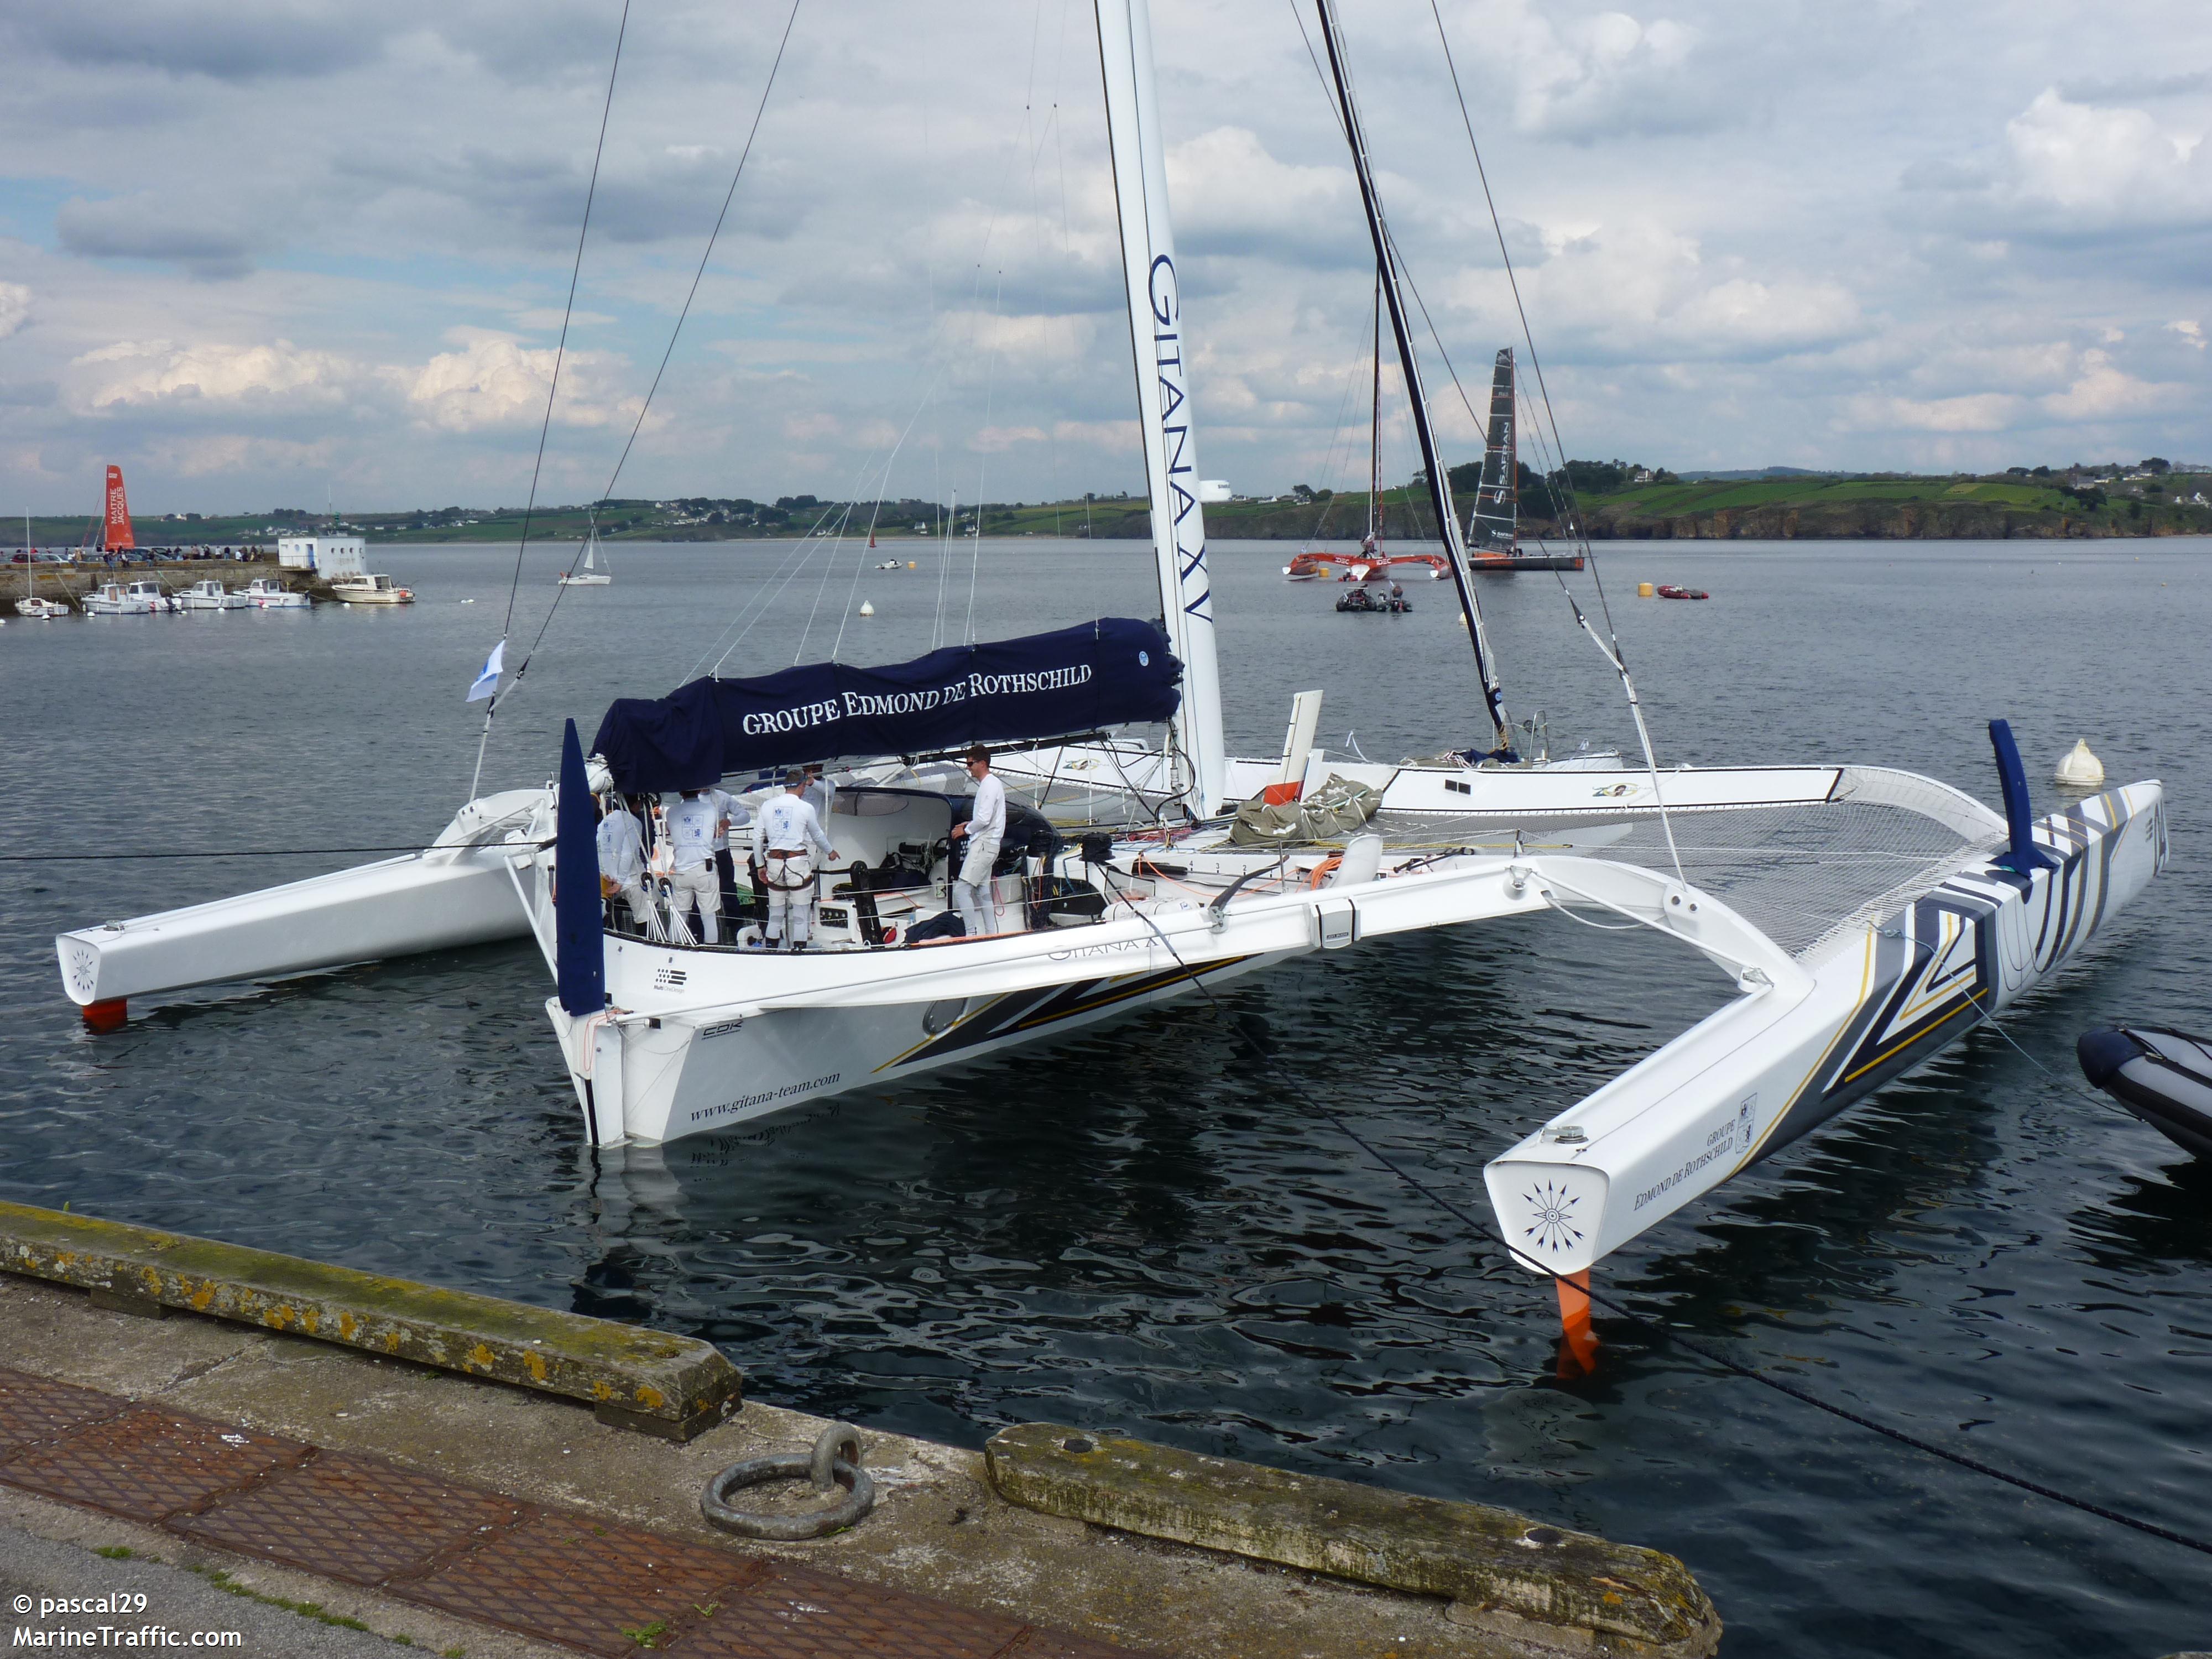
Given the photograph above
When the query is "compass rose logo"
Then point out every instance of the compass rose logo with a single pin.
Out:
(1553, 1208)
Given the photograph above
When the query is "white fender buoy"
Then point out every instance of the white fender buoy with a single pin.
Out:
(867, 610)
(2081, 769)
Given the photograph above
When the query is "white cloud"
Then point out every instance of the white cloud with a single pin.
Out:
(15, 307)
(494, 381)
(1231, 196)
(1981, 412)
(1600, 75)
(1637, 289)
(2082, 157)
(132, 374)
(2102, 392)
(2191, 333)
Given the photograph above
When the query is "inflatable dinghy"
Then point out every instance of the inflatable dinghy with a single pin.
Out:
(2163, 1076)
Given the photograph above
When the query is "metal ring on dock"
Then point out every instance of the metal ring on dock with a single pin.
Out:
(822, 1466)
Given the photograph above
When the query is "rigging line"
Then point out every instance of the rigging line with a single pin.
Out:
(794, 564)
(1485, 1235)
(982, 460)
(747, 612)
(623, 460)
(560, 348)
(712, 236)
(828, 570)
(254, 853)
(552, 386)
(882, 482)
(1575, 526)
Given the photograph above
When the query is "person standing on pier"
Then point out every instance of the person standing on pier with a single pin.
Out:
(691, 823)
(981, 836)
(786, 837)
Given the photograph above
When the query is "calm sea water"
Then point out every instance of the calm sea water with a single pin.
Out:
(1132, 1231)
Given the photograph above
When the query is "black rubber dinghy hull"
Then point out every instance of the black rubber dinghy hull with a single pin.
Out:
(2163, 1076)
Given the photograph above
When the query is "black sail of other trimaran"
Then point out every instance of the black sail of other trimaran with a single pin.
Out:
(1495, 529)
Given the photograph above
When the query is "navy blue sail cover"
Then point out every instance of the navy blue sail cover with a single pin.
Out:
(1113, 671)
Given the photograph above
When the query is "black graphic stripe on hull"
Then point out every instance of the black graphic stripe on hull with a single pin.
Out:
(1031, 1010)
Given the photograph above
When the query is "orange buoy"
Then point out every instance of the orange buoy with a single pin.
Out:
(109, 1016)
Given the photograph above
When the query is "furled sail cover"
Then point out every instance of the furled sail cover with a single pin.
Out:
(1112, 671)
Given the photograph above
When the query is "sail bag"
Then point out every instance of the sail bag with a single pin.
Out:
(1113, 671)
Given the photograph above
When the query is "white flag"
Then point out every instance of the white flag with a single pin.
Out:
(487, 680)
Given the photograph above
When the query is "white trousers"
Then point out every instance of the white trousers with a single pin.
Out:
(974, 883)
(790, 884)
(633, 895)
(698, 885)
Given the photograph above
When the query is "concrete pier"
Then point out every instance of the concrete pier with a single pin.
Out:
(502, 1516)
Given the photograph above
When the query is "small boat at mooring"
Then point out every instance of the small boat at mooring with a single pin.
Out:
(2161, 1075)
(1364, 601)
(1669, 591)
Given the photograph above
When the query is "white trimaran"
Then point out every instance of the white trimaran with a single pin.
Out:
(1867, 917)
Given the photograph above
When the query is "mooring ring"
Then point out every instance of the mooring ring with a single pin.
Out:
(823, 1466)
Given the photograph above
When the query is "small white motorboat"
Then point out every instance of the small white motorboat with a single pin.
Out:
(42, 610)
(267, 594)
(209, 595)
(372, 590)
(122, 599)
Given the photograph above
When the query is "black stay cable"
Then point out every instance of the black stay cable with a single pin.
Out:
(1476, 1227)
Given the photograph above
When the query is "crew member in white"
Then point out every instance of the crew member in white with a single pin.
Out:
(821, 794)
(985, 829)
(691, 841)
(732, 815)
(786, 837)
(622, 857)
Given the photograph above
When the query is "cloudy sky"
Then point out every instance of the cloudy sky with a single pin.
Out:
(256, 251)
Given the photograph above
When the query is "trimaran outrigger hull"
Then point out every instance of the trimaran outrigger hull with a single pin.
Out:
(1798, 1047)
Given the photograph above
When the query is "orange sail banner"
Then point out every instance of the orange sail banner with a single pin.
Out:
(119, 513)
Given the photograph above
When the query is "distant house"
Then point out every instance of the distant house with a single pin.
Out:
(328, 555)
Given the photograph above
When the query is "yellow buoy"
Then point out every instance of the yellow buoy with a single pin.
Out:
(911, 565)
(2081, 769)
(1645, 591)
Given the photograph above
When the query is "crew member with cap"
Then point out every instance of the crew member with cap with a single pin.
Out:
(691, 841)
(622, 857)
(786, 837)
(981, 836)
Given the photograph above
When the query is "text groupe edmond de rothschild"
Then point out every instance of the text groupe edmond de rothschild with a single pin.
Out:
(870, 705)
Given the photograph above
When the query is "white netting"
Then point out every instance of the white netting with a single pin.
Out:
(1798, 873)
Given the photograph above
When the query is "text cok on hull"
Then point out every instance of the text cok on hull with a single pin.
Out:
(1866, 917)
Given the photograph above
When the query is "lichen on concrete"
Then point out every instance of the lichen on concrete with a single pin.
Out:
(1524, 1578)
(652, 1374)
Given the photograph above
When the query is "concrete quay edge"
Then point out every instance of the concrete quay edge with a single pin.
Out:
(1501, 1570)
(654, 1382)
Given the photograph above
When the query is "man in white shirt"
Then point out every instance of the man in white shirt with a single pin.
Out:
(786, 836)
(622, 857)
(981, 836)
(691, 842)
(733, 815)
(821, 794)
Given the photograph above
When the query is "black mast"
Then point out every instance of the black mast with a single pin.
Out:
(1493, 694)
